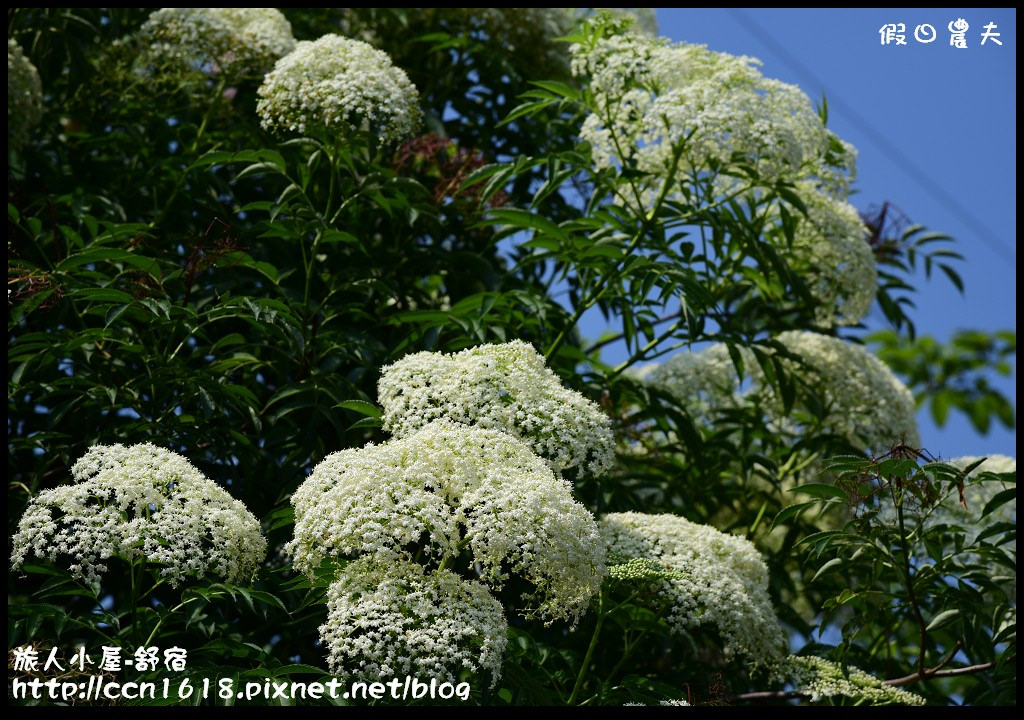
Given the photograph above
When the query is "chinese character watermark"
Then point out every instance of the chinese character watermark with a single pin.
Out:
(893, 32)
(990, 35)
(925, 33)
(958, 33)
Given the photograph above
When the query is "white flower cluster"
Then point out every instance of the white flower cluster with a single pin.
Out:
(399, 619)
(237, 41)
(865, 403)
(446, 488)
(679, 111)
(341, 86)
(653, 98)
(459, 487)
(715, 579)
(823, 679)
(141, 501)
(507, 387)
(24, 96)
(703, 382)
(664, 703)
(831, 252)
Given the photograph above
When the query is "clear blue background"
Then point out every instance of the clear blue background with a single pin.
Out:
(931, 122)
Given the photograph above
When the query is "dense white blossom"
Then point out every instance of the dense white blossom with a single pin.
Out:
(449, 487)
(390, 620)
(831, 252)
(680, 113)
(864, 401)
(236, 41)
(659, 104)
(507, 387)
(823, 679)
(834, 173)
(141, 501)
(24, 95)
(704, 382)
(712, 579)
(340, 86)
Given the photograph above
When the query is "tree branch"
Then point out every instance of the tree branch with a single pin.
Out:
(767, 695)
(951, 672)
(935, 672)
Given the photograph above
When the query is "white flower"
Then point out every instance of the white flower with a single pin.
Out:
(706, 576)
(698, 119)
(863, 401)
(234, 40)
(507, 387)
(341, 86)
(703, 382)
(386, 621)
(822, 679)
(831, 251)
(24, 95)
(654, 99)
(141, 501)
(449, 487)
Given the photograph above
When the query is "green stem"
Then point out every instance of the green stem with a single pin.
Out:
(590, 650)
(627, 651)
(619, 264)
(638, 356)
(170, 612)
(911, 595)
(135, 602)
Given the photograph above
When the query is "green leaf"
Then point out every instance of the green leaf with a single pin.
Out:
(361, 406)
(788, 512)
(999, 500)
(268, 599)
(822, 537)
(828, 567)
(821, 491)
(269, 158)
(102, 295)
(527, 220)
(298, 670)
(100, 254)
(367, 422)
(558, 88)
(943, 618)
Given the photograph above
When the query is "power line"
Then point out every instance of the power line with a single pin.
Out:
(876, 138)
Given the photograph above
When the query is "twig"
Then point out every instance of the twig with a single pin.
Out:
(951, 672)
(935, 672)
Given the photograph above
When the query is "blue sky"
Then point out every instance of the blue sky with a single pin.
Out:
(935, 127)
